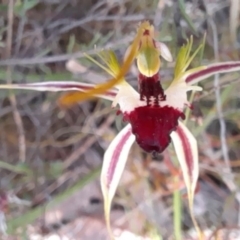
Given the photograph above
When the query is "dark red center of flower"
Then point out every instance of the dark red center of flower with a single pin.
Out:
(153, 124)
(146, 32)
(150, 89)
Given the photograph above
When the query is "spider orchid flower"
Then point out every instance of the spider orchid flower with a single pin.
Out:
(153, 114)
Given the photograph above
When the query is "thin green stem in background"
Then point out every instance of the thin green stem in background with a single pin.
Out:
(19, 168)
(177, 211)
(182, 8)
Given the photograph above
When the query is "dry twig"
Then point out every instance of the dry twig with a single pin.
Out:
(75, 155)
(234, 16)
(228, 177)
(16, 114)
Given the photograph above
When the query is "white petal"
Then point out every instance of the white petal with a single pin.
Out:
(186, 149)
(114, 162)
(176, 94)
(164, 51)
(127, 98)
(194, 76)
(60, 86)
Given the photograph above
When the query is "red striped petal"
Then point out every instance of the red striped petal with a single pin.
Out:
(187, 152)
(186, 149)
(60, 86)
(114, 162)
(194, 77)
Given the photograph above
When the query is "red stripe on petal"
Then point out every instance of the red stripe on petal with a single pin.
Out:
(66, 86)
(84, 88)
(216, 68)
(187, 149)
(116, 156)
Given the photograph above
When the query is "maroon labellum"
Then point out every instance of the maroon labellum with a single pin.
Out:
(152, 124)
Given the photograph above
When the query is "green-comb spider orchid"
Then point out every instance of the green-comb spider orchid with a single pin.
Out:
(154, 114)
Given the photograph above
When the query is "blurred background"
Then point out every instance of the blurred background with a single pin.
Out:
(50, 156)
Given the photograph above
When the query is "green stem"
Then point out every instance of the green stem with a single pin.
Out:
(177, 212)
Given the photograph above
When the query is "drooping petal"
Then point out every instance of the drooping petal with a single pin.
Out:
(196, 75)
(186, 150)
(60, 86)
(114, 162)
